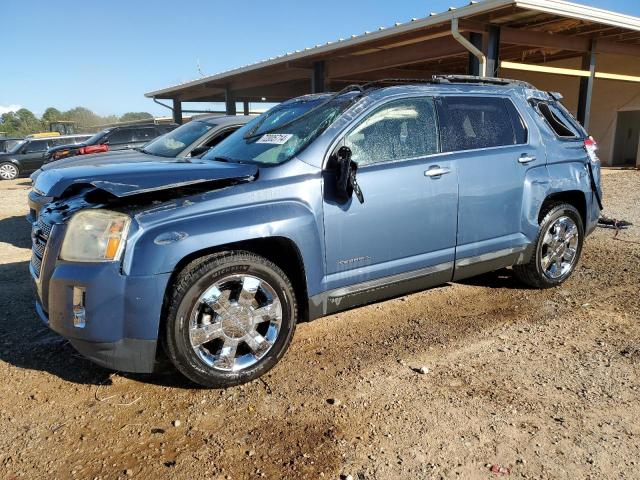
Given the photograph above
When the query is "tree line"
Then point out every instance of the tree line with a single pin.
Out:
(24, 122)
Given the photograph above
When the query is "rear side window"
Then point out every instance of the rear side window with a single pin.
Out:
(144, 134)
(557, 120)
(218, 138)
(62, 141)
(470, 123)
(120, 136)
(37, 146)
(398, 130)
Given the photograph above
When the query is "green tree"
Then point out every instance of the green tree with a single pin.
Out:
(51, 114)
(83, 117)
(133, 116)
(20, 123)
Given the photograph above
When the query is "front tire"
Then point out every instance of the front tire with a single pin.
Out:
(557, 248)
(230, 318)
(8, 171)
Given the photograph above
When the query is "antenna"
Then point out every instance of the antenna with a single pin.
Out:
(199, 67)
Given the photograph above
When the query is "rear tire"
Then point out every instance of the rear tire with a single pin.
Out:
(557, 248)
(230, 318)
(8, 171)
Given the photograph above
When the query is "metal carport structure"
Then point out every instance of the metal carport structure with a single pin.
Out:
(501, 37)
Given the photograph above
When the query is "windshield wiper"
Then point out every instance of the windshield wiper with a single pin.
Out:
(253, 134)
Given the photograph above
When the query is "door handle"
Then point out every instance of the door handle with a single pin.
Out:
(436, 171)
(526, 158)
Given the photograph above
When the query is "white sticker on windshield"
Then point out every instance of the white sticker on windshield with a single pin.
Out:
(275, 138)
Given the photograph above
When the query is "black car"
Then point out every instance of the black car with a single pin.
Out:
(112, 138)
(7, 143)
(29, 154)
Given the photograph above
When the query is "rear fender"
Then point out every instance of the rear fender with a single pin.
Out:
(551, 179)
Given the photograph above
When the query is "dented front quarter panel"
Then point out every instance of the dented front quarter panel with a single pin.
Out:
(284, 201)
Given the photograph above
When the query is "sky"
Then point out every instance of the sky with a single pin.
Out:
(105, 55)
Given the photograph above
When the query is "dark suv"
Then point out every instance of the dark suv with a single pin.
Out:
(28, 155)
(112, 138)
(323, 203)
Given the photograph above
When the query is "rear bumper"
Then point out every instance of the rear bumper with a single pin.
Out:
(121, 313)
(593, 214)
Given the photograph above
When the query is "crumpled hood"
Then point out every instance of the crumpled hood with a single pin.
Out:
(139, 174)
(114, 156)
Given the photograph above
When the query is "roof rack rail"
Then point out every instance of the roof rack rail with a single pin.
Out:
(444, 79)
(478, 80)
(394, 81)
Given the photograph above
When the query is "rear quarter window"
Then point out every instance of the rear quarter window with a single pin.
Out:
(471, 123)
(557, 120)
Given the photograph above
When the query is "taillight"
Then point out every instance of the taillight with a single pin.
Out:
(93, 149)
(591, 146)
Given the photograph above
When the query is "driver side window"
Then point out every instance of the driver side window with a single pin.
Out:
(398, 130)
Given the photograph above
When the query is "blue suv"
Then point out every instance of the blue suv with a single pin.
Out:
(324, 203)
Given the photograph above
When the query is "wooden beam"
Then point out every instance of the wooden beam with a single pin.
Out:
(616, 48)
(270, 77)
(278, 92)
(390, 74)
(395, 57)
(564, 42)
(193, 93)
(544, 40)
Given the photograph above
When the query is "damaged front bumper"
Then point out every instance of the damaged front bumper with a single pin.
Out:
(108, 317)
(36, 202)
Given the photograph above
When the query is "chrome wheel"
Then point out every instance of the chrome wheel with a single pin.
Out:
(235, 322)
(8, 171)
(560, 248)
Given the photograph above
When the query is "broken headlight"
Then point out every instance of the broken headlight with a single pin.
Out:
(95, 236)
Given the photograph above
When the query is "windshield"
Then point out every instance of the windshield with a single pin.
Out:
(96, 137)
(275, 136)
(173, 143)
(17, 146)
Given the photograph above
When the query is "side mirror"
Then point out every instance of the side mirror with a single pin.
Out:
(199, 150)
(346, 183)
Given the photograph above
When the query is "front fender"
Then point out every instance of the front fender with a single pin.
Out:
(160, 248)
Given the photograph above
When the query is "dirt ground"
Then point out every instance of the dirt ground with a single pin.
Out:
(533, 384)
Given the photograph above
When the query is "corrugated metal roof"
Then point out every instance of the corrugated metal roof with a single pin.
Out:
(553, 7)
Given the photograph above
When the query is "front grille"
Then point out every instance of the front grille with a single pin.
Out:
(36, 263)
(39, 235)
